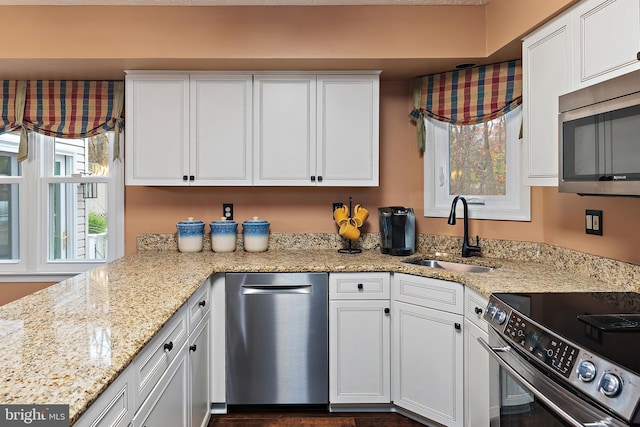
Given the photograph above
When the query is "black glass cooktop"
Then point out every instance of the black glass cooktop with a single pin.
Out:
(606, 323)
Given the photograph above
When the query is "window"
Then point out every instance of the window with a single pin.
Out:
(480, 162)
(62, 209)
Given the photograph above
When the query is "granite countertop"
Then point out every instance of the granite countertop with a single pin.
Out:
(67, 343)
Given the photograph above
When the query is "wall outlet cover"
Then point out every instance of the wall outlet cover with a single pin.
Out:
(593, 222)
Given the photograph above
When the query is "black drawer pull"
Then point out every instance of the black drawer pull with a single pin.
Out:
(168, 346)
(478, 310)
(457, 326)
(360, 286)
(202, 303)
(387, 311)
(192, 348)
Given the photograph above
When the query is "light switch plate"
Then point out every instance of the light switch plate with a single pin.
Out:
(593, 222)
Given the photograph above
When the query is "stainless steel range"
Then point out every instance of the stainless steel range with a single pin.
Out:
(565, 358)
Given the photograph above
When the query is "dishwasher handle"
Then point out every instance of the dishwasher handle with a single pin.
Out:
(275, 289)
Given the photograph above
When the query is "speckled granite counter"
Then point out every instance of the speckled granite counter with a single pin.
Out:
(67, 343)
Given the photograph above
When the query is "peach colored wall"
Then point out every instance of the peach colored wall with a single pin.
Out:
(244, 32)
(12, 291)
(508, 20)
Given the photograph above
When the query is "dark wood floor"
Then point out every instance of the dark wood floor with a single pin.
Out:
(309, 418)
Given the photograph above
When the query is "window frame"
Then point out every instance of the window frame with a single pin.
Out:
(37, 174)
(514, 206)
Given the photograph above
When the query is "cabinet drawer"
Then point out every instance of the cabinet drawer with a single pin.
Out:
(427, 292)
(359, 285)
(474, 305)
(199, 304)
(155, 357)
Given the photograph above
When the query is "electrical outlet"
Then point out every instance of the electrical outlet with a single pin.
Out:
(593, 222)
(336, 206)
(227, 211)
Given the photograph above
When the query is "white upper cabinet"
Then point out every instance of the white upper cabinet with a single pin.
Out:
(188, 129)
(316, 130)
(546, 67)
(220, 107)
(607, 39)
(277, 129)
(348, 116)
(284, 129)
(157, 129)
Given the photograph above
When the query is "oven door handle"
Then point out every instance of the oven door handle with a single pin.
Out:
(493, 351)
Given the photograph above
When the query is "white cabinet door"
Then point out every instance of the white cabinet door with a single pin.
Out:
(428, 363)
(348, 130)
(199, 372)
(546, 58)
(221, 107)
(284, 129)
(157, 130)
(607, 39)
(359, 352)
(168, 405)
(476, 378)
(115, 406)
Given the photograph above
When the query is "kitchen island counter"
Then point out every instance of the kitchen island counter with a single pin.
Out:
(66, 343)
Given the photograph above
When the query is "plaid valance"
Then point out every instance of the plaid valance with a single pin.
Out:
(467, 96)
(62, 108)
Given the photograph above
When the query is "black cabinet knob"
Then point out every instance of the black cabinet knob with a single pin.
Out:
(478, 310)
(192, 178)
(457, 326)
(313, 179)
(192, 347)
(168, 346)
(387, 311)
(202, 303)
(638, 56)
(360, 286)
(320, 178)
(185, 177)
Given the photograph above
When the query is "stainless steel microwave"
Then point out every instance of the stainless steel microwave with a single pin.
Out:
(599, 129)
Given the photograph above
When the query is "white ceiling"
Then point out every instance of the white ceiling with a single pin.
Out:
(243, 2)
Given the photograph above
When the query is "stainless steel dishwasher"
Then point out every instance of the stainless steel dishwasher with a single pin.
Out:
(277, 338)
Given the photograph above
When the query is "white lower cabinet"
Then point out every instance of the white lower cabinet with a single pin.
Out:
(359, 339)
(427, 348)
(114, 408)
(168, 402)
(199, 373)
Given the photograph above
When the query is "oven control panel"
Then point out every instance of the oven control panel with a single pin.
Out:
(545, 347)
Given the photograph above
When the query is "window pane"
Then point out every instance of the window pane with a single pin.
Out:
(9, 165)
(477, 158)
(9, 222)
(77, 221)
(88, 156)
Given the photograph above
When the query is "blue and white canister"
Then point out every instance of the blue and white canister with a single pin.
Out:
(190, 234)
(223, 235)
(256, 235)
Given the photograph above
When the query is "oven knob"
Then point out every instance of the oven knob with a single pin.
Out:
(500, 316)
(610, 385)
(587, 371)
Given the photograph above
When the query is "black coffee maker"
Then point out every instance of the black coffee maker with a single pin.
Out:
(397, 230)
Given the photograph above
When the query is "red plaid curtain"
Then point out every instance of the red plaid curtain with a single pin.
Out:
(468, 96)
(62, 108)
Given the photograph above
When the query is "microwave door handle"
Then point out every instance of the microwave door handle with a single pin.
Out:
(555, 408)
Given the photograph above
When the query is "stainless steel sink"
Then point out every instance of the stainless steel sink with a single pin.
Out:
(447, 265)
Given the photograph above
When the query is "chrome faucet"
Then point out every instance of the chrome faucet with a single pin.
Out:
(467, 249)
